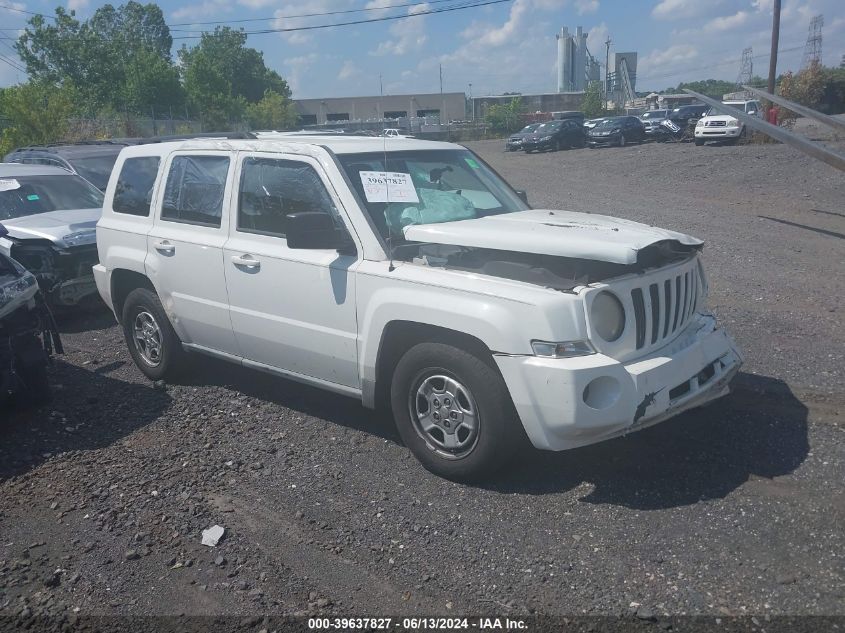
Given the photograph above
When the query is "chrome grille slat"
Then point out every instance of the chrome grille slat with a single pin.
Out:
(655, 311)
(667, 312)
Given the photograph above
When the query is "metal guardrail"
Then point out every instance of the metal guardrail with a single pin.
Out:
(799, 109)
(818, 151)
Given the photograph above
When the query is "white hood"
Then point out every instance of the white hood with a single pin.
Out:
(545, 232)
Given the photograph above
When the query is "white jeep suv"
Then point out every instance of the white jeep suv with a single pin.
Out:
(718, 126)
(407, 273)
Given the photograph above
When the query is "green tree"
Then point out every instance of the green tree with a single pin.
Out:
(38, 112)
(504, 117)
(710, 87)
(273, 112)
(222, 76)
(593, 104)
(118, 59)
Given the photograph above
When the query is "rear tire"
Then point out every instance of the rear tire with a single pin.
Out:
(453, 411)
(699, 142)
(153, 344)
(622, 140)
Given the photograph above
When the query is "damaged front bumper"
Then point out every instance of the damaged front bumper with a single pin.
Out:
(566, 403)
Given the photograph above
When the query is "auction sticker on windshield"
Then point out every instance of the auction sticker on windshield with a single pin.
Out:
(9, 184)
(386, 186)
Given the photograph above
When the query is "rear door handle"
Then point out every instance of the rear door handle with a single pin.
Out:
(164, 247)
(246, 261)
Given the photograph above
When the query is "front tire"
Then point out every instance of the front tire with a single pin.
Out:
(453, 411)
(622, 140)
(153, 344)
(699, 142)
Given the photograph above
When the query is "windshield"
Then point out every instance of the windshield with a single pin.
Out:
(31, 195)
(654, 114)
(717, 112)
(95, 169)
(427, 187)
(549, 128)
(610, 123)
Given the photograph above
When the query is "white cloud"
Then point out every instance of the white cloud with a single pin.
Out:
(727, 22)
(407, 35)
(596, 37)
(348, 71)
(205, 9)
(283, 19)
(586, 6)
(677, 9)
(297, 69)
(77, 4)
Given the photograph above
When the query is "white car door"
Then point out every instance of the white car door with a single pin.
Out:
(185, 248)
(292, 309)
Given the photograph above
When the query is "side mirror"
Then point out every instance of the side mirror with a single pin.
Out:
(522, 195)
(314, 230)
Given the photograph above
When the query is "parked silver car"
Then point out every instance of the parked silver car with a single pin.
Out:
(51, 217)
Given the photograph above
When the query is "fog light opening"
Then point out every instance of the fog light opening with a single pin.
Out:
(602, 392)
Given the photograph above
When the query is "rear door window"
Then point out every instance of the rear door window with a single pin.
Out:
(194, 190)
(134, 191)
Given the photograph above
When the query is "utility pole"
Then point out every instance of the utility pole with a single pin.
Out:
(442, 105)
(773, 59)
(606, 71)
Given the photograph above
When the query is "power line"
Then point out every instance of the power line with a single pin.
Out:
(309, 15)
(7, 7)
(12, 64)
(470, 5)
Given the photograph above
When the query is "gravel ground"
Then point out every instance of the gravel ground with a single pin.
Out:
(734, 509)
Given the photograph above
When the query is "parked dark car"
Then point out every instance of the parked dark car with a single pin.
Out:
(682, 115)
(617, 130)
(93, 160)
(28, 335)
(555, 135)
(514, 142)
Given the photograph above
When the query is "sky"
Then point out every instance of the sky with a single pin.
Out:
(504, 47)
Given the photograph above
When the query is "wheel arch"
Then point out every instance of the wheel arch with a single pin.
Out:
(123, 282)
(399, 336)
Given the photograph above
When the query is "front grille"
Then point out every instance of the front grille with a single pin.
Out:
(663, 308)
(716, 123)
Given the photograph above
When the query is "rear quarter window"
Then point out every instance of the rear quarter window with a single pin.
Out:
(134, 190)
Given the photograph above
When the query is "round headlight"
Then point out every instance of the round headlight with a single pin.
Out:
(607, 316)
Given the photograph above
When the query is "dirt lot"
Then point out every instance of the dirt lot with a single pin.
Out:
(735, 509)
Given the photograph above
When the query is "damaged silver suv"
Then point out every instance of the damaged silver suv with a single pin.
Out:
(408, 274)
(51, 217)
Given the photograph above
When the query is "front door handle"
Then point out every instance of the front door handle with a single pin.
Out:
(164, 247)
(246, 261)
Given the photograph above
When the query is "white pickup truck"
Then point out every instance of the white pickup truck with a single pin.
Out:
(408, 274)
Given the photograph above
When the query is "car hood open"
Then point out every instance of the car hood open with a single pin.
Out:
(546, 232)
(67, 228)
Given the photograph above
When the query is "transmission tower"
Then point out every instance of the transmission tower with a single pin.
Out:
(746, 69)
(813, 48)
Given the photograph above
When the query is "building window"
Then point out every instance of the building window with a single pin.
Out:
(307, 119)
(428, 113)
(337, 116)
(395, 114)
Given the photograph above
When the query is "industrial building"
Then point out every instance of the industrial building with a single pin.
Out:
(449, 106)
(575, 65)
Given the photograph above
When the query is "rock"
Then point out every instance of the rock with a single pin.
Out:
(255, 593)
(52, 580)
(786, 579)
(220, 561)
(160, 385)
(644, 613)
(131, 554)
(299, 514)
(242, 585)
(323, 602)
